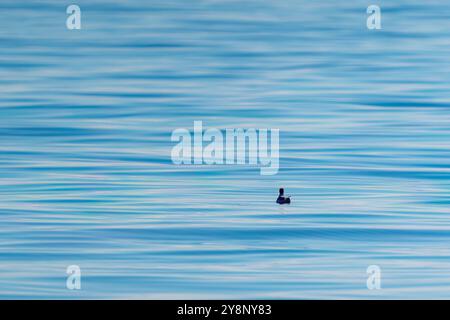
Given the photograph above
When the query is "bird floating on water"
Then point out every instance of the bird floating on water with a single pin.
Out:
(282, 199)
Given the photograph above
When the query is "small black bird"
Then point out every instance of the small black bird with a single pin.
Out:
(282, 199)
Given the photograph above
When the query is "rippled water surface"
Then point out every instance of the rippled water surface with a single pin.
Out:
(86, 176)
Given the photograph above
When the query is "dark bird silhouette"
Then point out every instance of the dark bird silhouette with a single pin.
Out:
(282, 199)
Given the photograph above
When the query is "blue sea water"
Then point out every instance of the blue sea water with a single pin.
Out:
(86, 176)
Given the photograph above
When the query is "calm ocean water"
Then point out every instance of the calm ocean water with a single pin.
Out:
(86, 176)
